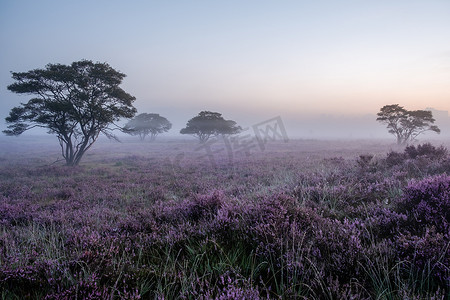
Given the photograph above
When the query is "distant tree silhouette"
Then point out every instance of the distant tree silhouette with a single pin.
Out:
(147, 124)
(207, 124)
(76, 102)
(406, 125)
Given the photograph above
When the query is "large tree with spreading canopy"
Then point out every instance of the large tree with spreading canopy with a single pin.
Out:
(207, 124)
(147, 124)
(404, 124)
(75, 102)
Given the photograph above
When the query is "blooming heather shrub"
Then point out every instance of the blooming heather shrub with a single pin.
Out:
(382, 222)
(338, 247)
(51, 171)
(274, 226)
(383, 190)
(394, 158)
(426, 202)
(325, 194)
(418, 157)
(204, 206)
(16, 213)
(343, 198)
(427, 150)
(439, 294)
(86, 288)
(236, 289)
(141, 222)
(194, 209)
(364, 160)
(17, 190)
(428, 255)
(230, 225)
(155, 194)
(32, 280)
(366, 163)
(347, 291)
(21, 280)
(268, 221)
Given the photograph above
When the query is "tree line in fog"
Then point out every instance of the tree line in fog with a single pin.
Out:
(80, 101)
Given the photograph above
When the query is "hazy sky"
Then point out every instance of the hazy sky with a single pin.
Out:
(247, 59)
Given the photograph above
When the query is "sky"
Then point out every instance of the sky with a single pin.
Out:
(307, 61)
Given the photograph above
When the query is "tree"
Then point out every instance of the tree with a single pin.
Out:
(147, 124)
(207, 124)
(406, 125)
(76, 102)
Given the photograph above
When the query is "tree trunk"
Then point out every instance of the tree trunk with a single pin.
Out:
(73, 156)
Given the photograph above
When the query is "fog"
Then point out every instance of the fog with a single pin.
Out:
(304, 126)
(321, 126)
(325, 68)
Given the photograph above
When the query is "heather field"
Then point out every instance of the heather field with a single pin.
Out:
(173, 219)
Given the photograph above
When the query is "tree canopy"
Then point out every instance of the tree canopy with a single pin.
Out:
(404, 124)
(207, 124)
(147, 124)
(76, 102)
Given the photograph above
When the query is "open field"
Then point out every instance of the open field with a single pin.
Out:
(171, 219)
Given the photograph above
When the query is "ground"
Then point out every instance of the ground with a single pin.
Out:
(307, 219)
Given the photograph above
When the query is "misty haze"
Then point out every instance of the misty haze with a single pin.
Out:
(225, 150)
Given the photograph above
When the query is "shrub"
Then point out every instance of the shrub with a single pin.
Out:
(364, 160)
(384, 223)
(195, 209)
(394, 158)
(427, 150)
(427, 203)
(428, 256)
